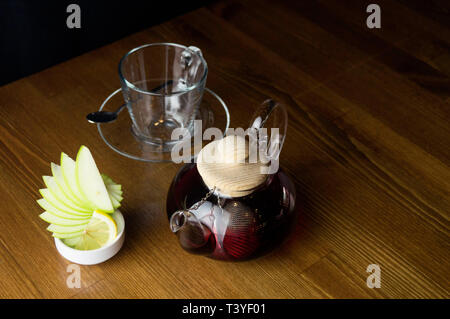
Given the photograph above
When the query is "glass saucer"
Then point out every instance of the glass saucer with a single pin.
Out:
(118, 135)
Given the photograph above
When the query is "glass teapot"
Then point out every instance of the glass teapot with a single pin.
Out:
(231, 204)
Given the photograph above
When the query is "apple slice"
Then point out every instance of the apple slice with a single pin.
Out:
(90, 181)
(53, 219)
(72, 242)
(116, 200)
(115, 187)
(70, 235)
(114, 191)
(54, 211)
(66, 229)
(53, 187)
(68, 166)
(115, 203)
(59, 179)
(48, 196)
(116, 196)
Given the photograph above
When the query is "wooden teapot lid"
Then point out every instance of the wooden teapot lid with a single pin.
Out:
(224, 164)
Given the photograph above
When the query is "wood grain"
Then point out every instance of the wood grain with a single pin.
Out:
(368, 147)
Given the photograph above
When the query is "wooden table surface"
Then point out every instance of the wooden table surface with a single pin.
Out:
(368, 148)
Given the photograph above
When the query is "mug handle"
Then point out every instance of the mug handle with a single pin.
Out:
(188, 68)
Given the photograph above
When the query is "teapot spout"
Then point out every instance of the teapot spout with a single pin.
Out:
(178, 220)
(192, 235)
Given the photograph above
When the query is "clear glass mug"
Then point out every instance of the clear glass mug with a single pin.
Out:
(162, 85)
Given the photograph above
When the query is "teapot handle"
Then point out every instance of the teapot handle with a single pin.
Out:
(272, 116)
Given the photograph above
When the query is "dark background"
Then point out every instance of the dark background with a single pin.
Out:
(34, 34)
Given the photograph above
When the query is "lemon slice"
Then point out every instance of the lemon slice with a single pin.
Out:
(100, 231)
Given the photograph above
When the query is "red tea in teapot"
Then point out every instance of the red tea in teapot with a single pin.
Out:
(231, 228)
(224, 207)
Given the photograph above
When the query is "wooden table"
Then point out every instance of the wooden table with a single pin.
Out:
(368, 147)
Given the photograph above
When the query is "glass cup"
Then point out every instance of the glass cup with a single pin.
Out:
(162, 85)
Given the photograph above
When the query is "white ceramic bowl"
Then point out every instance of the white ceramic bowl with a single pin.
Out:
(96, 256)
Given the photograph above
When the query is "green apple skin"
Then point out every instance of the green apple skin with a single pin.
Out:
(68, 167)
(90, 182)
(53, 219)
(60, 181)
(66, 229)
(53, 187)
(54, 211)
(48, 196)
